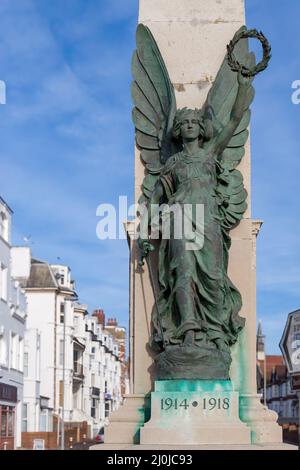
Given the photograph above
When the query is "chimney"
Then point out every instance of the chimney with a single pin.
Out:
(100, 315)
(112, 322)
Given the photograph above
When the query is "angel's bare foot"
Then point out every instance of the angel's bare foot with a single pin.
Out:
(189, 338)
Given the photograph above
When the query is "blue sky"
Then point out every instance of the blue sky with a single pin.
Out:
(67, 143)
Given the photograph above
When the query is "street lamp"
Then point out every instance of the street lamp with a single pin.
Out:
(62, 444)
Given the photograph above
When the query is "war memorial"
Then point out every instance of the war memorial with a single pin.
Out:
(193, 293)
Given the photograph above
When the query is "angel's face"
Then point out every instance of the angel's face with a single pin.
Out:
(190, 127)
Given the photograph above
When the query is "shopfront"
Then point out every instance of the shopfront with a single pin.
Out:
(8, 401)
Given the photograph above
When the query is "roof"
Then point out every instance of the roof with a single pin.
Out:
(41, 276)
(6, 205)
(37, 261)
(281, 372)
(274, 365)
(78, 343)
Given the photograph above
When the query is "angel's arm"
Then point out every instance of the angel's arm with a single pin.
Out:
(147, 214)
(221, 141)
(145, 246)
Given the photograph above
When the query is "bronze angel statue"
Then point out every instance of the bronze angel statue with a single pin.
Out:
(190, 158)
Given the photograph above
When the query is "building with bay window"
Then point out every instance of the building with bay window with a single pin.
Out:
(13, 309)
(50, 351)
(72, 364)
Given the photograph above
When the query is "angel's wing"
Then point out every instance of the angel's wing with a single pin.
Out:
(219, 104)
(155, 107)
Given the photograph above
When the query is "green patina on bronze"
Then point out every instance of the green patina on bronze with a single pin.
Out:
(190, 157)
(145, 414)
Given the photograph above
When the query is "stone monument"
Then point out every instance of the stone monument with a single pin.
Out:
(192, 343)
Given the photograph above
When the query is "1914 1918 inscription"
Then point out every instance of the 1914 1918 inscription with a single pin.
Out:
(207, 403)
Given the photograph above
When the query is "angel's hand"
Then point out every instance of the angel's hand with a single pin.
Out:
(145, 248)
(242, 79)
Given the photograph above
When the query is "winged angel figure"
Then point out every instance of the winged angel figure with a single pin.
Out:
(190, 158)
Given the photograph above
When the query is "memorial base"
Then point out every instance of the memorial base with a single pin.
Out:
(194, 412)
(125, 423)
(183, 448)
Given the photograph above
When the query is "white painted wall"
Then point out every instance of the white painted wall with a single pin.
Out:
(12, 318)
(41, 317)
(20, 265)
(44, 316)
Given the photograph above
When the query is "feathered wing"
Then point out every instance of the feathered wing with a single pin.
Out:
(219, 104)
(155, 107)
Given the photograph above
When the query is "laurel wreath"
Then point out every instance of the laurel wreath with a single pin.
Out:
(236, 66)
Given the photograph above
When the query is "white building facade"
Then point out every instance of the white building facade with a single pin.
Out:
(102, 374)
(12, 332)
(73, 372)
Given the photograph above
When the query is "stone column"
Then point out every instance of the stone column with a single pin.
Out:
(192, 36)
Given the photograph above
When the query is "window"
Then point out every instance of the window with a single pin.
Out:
(93, 351)
(62, 279)
(105, 389)
(14, 342)
(25, 368)
(93, 408)
(61, 352)
(76, 363)
(3, 282)
(20, 352)
(50, 421)
(107, 409)
(7, 414)
(2, 222)
(3, 351)
(93, 380)
(75, 400)
(62, 312)
(3, 226)
(24, 417)
(43, 421)
(11, 421)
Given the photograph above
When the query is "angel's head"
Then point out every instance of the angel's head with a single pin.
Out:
(189, 124)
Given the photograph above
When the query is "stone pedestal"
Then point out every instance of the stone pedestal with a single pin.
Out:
(125, 424)
(173, 447)
(195, 413)
(261, 420)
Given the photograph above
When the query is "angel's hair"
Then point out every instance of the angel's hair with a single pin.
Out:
(181, 114)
